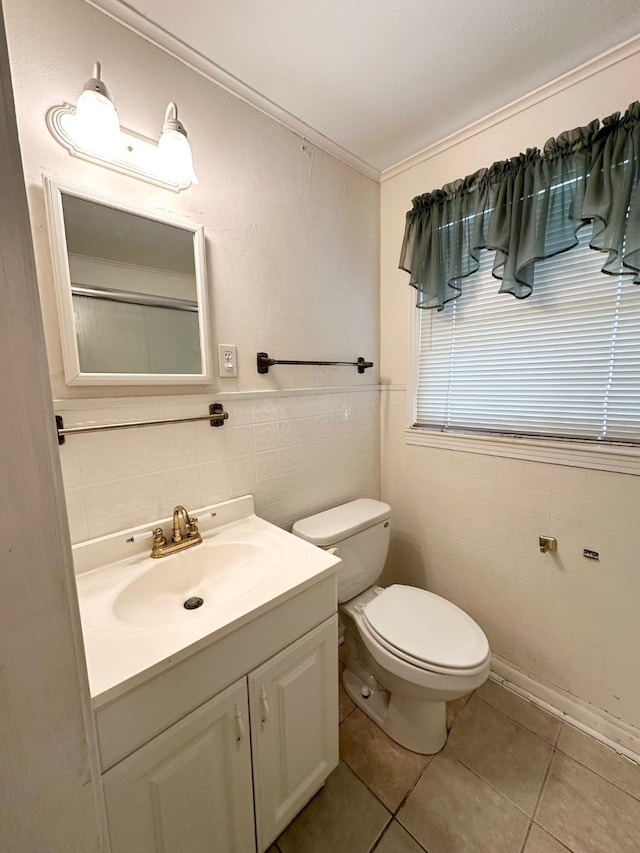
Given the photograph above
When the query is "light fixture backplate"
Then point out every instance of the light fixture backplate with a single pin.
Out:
(138, 157)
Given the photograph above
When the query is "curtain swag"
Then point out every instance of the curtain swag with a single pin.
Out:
(529, 208)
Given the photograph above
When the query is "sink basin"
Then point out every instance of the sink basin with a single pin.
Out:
(225, 570)
(215, 572)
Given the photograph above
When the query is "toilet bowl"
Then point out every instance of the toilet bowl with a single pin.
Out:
(408, 651)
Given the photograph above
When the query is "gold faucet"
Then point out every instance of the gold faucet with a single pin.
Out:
(179, 540)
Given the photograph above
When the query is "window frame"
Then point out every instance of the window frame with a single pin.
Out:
(602, 456)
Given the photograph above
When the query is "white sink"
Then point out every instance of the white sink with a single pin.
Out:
(145, 593)
(215, 572)
(132, 607)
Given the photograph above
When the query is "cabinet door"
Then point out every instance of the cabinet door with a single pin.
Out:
(293, 699)
(189, 789)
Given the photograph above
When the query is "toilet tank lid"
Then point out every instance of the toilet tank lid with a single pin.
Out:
(333, 525)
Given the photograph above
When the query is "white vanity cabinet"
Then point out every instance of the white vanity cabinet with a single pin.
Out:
(269, 739)
(190, 788)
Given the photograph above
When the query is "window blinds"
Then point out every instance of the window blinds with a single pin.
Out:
(563, 362)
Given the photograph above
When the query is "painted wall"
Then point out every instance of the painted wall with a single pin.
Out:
(466, 524)
(292, 252)
(292, 233)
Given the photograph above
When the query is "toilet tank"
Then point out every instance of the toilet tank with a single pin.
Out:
(359, 531)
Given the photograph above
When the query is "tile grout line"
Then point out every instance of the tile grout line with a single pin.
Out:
(493, 787)
(427, 765)
(596, 772)
(522, 725)
(368, 787)
(346, 717)
(412, 836)
(542, 787)
(424, 770)
(526, 837)
(376, 843)
(392, 813)
(490, 785)
(558, 748)
(412, 788)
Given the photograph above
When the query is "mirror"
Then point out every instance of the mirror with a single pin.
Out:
(131, 292)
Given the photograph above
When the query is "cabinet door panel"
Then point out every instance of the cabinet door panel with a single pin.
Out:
(189, 789)
(293, 700)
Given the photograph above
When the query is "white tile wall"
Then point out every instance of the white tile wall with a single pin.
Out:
(466, 526)
(296, 454)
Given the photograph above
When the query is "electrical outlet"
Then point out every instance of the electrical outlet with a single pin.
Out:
(227, 360)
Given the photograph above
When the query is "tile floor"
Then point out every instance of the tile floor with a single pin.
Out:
(511, 779)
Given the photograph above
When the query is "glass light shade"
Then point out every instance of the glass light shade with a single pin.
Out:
(97, 127)
(174, 153)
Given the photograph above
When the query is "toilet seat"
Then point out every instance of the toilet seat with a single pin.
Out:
(426, 630)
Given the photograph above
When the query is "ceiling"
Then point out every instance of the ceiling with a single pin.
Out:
(383, 79)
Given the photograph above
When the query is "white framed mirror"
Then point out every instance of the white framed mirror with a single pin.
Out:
(131, 289)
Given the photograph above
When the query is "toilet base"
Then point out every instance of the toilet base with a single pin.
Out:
(418, 725)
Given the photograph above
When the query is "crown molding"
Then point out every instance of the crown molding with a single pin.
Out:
(542, 93)
(169, 43)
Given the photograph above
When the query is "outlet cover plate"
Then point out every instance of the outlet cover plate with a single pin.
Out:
(227, 360)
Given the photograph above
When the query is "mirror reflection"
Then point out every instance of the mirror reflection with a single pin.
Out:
(133, 285)
(131, 293)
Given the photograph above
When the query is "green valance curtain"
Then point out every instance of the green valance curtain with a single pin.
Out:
(528, 208)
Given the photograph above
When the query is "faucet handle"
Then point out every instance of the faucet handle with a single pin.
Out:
(159, 537)
(191, 526)
(159, 542)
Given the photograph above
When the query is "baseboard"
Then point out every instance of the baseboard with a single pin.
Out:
(620, 736)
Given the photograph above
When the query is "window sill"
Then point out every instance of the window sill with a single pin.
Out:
(578, 454)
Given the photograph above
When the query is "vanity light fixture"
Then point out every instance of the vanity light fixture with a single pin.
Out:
(91, 130)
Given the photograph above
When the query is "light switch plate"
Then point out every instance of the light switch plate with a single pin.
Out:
(227, 360)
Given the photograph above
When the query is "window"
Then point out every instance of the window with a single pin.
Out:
(554, 376)
(564, 362)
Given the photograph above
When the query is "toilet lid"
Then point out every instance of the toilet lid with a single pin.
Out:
(426, 627)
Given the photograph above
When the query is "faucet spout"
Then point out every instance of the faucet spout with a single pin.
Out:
(178, 514)
(184, 534)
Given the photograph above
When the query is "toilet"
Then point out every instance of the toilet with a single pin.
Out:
(408, 651)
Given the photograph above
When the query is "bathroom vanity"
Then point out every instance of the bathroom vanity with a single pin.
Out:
(221, 722)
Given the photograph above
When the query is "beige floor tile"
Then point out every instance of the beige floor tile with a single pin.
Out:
(387, 768)
(344, 815)
(345, 703)
(540, 841)
(502, 752)
(601, 759)
(587, 813)
(451, 810)
(455, 708)
(397, 840)
(522, 711)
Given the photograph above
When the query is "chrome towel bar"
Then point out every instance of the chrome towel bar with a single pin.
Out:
(216, 417)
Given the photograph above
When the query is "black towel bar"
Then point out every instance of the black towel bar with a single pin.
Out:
(264, 363)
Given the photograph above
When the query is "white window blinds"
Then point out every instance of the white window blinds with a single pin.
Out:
(563, 362)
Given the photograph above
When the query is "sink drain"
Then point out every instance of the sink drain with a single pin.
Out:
(193, 603)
